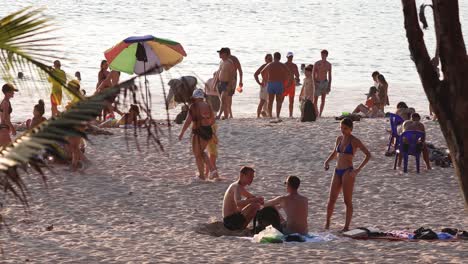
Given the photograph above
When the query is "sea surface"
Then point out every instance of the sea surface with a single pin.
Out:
(361, 37)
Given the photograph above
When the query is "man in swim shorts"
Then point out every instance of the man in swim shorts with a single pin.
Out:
(238, 212)
(323, 77)
(294, 205)
(277, 74)
(56, 92)
(291, 89)
(224, 78)
(262, 108)
(233, 83)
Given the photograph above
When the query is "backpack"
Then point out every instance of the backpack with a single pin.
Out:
(307, 111)
(265, 217)
(425, 233)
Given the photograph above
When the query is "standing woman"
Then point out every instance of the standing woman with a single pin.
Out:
(344, 174)
(383, 91)
(202, 117)
(5, 111)
(102, 75)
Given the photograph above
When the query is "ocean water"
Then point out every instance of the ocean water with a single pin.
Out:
(361, 37)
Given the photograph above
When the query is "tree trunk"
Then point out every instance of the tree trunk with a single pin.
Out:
(448, 97)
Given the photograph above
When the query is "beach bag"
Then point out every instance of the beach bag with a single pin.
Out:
(265, 217)
(180, 118)
(269, 235)
(308, 112)
(425, 233)
(214, 102)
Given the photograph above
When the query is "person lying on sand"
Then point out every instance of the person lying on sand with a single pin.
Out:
(132, 118)
(294, 205)
(238, 212)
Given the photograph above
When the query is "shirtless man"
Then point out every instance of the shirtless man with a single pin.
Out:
(263, 104)
(323, 77)
(238, 212)
(414, 124)
(224, 78)
(277, 74)
(291, 89)
(294, 205)
(232, 85)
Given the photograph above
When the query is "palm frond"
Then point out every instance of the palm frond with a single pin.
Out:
(23, 152)
(26, 46)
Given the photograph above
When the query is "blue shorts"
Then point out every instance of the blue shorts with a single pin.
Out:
(275, 88)
(222, 87)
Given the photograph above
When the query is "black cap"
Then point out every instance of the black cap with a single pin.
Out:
(8, 87)
(224, 50)
(293, 181)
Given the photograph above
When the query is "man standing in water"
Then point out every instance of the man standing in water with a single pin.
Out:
(238, 212)
(323, 77)
(224, 78)
(291, 89)
(277, 74)
(56, 92)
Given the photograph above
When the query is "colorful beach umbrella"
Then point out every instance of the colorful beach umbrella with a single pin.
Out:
(139, 54)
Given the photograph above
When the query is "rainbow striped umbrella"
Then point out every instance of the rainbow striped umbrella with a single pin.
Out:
(144, 54)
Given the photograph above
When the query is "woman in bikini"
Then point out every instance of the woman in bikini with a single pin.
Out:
(344, 175)
(201, 116)
(5, 111)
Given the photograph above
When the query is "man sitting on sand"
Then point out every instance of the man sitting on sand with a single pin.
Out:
(294, 205)
(238, 213)
(414, 124)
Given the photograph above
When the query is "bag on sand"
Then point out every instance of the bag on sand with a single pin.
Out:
(265, 217)
(425, 233)
(308, 112)
(269, 235)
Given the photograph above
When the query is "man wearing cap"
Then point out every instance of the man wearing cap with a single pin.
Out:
(277, 75)
(294, 205)
(291, 89)
(56, 93)
(6, 127)
(238, 212)
(323, 77)
(224, 78)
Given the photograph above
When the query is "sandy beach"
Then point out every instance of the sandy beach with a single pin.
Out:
(144, 207)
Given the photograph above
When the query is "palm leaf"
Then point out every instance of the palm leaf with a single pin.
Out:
(26, 46)
(25, 149)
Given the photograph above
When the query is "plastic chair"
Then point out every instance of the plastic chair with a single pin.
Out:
(395, 121)
(410, 144)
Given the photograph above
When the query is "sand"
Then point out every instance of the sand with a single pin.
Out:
(144, 207)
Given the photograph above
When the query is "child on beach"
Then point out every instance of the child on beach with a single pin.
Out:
(308, 93)
(75, 150)
(38, 115)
